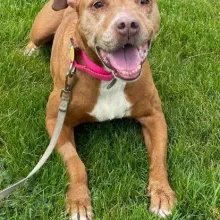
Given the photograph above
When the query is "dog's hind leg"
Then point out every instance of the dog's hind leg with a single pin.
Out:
(44, 27)
(78, 194)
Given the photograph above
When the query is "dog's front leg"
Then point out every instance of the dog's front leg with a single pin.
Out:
(155, 135)
(78, 195)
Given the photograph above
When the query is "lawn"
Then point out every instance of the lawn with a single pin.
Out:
(185, 61)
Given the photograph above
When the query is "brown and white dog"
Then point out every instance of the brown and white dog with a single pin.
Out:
(115, 35)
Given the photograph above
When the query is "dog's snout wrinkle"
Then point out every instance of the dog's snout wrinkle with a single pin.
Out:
(127, 26)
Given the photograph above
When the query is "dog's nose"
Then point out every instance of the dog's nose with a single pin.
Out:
(127, 26)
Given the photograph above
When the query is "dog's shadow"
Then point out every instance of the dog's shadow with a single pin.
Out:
(115, 157)
(108, 138)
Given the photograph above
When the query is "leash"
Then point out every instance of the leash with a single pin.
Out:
(66, 94)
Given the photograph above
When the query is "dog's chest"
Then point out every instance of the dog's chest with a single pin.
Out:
(112, 103)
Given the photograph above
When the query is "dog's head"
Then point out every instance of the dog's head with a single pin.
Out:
(119, 32)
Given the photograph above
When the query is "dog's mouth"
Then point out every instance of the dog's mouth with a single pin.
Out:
(126, 62)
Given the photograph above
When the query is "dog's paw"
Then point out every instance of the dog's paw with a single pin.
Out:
(30, 49)
(163, 199)
(78, 216)
(79, 203)
(80, 210)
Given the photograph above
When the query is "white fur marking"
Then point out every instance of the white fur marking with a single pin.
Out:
(74, 217)
(162, 213)
(111, 103)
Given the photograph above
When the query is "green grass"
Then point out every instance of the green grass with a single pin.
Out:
(185, 60)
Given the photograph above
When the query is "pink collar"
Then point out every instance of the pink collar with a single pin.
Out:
(91, 68)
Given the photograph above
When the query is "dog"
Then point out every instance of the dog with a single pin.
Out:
(116, 36)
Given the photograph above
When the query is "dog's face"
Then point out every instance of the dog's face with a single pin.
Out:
(119, 32)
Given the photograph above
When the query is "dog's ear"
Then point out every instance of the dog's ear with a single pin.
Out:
(62, 4)
(59, 5)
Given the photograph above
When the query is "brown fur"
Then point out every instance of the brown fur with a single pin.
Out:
(143, 95)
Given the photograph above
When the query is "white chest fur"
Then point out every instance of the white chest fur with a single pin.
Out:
(111, 103)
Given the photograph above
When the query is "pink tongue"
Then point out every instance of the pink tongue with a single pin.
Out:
(127, 58)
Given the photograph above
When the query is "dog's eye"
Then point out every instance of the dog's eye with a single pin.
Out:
(98, 4)
(144, 2)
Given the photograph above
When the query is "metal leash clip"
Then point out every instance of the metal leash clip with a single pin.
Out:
(66, 92)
